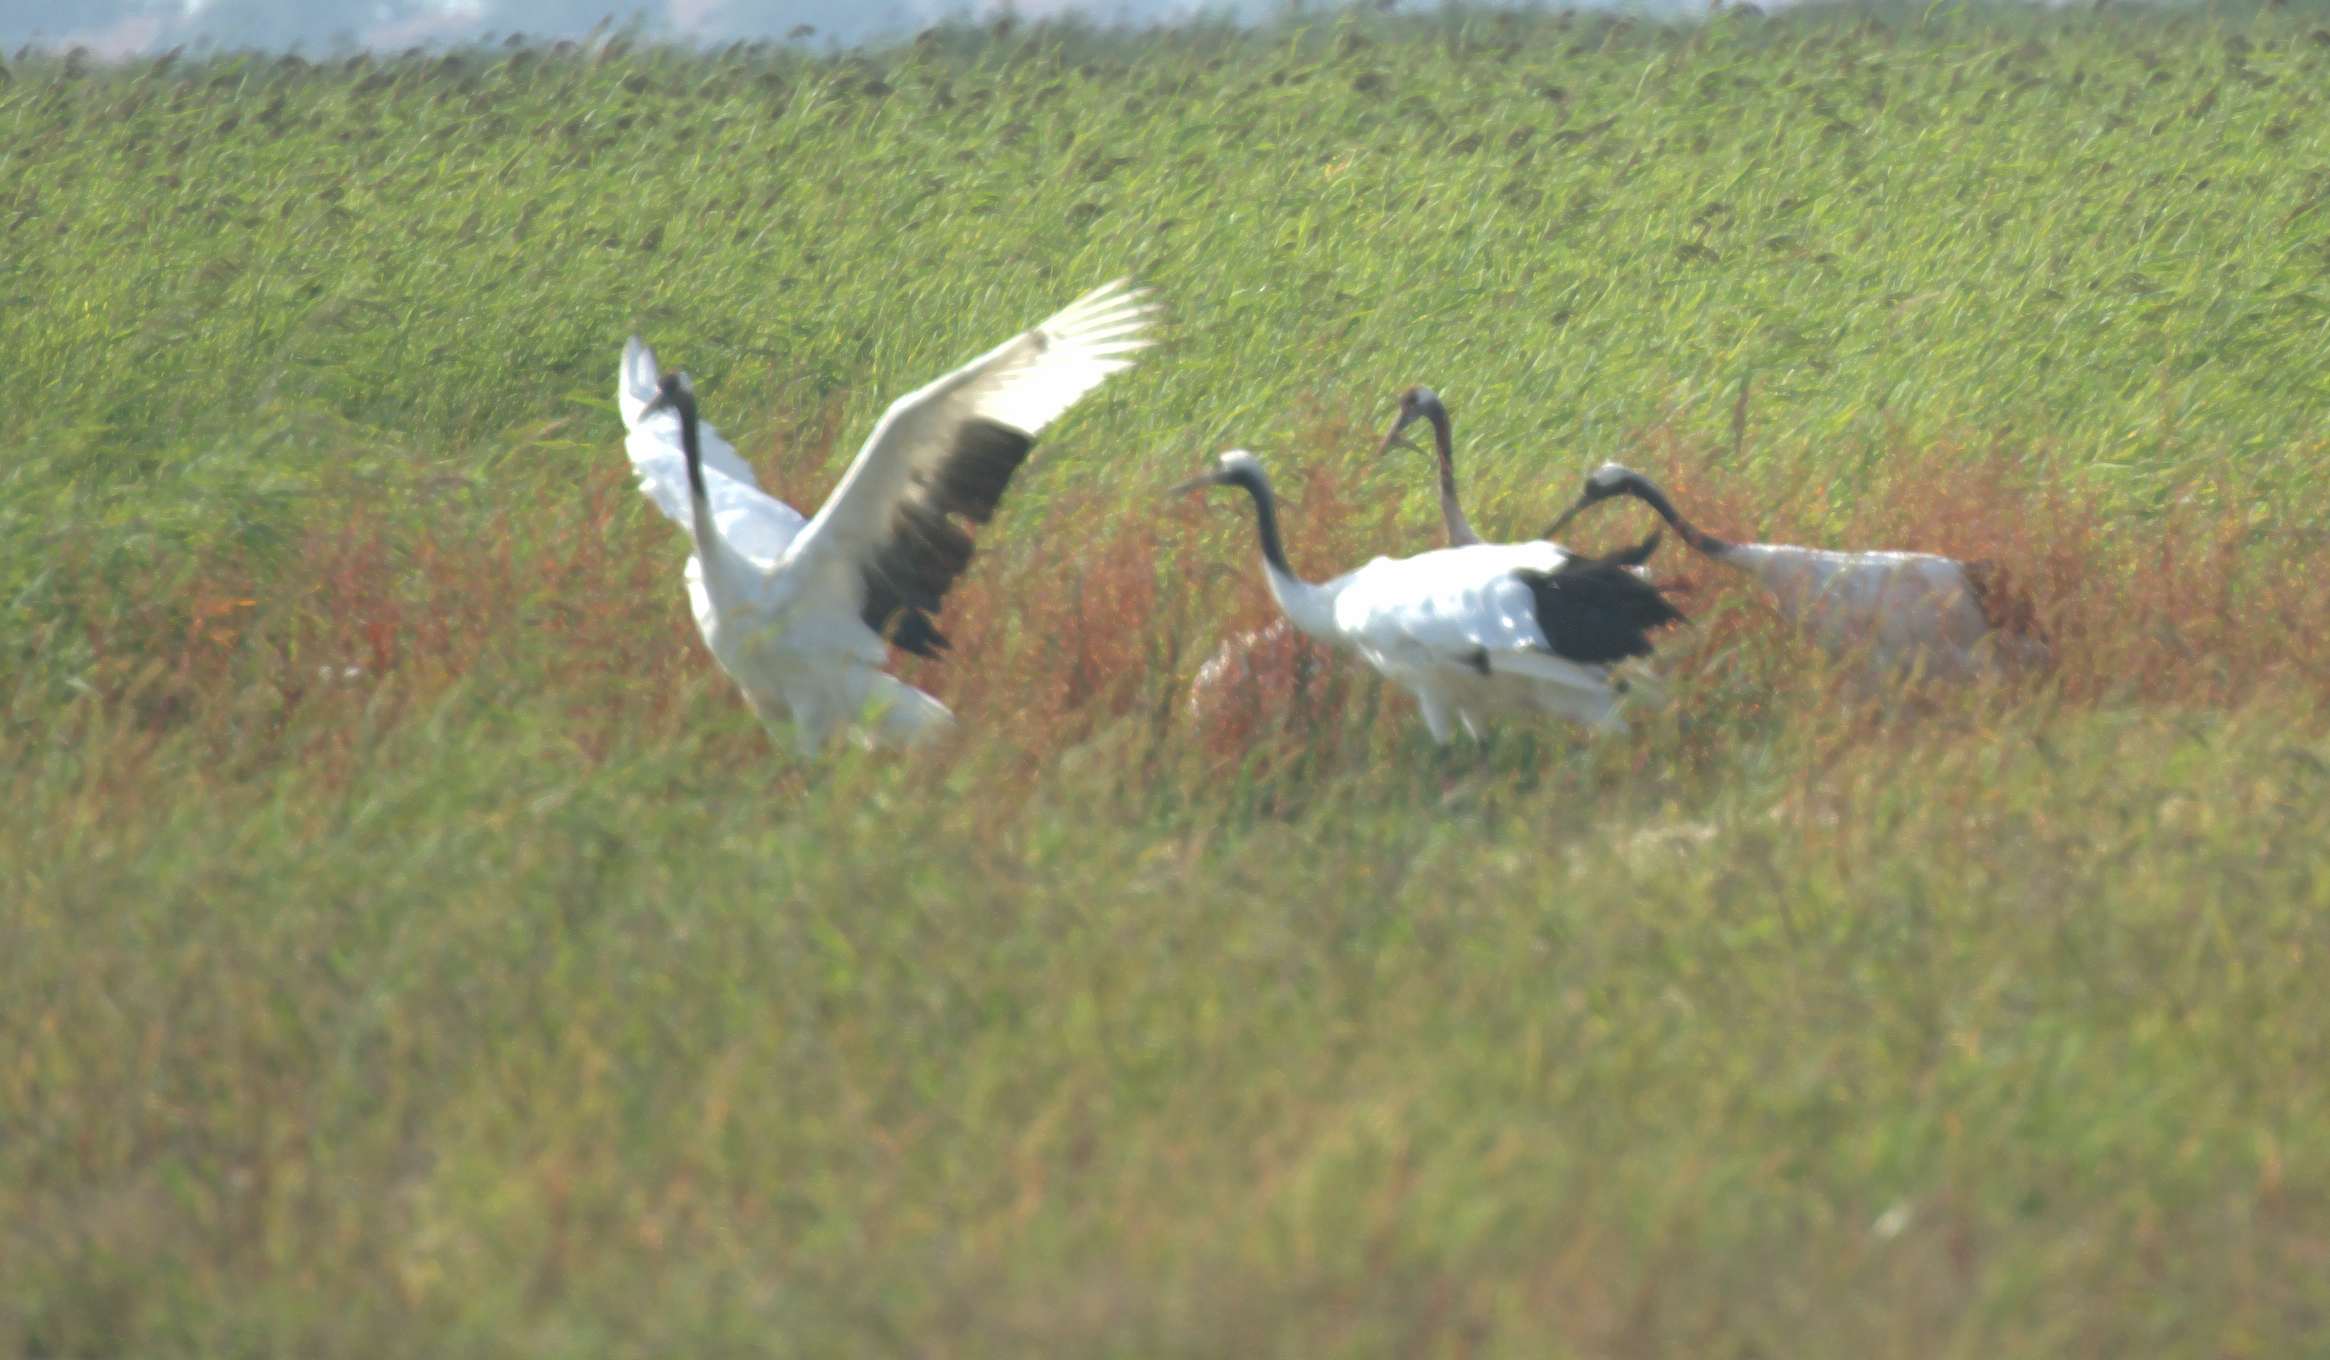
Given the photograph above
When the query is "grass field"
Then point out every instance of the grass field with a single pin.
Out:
(410, 945)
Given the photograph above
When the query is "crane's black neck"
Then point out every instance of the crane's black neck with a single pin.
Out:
(1265, 515)
(1444, 440)
(1459, 528)
(1645, 490)
(691, 442)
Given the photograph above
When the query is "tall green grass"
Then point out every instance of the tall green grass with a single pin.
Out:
(411, 946)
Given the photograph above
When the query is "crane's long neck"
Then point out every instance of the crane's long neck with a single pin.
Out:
(700, 523)
(1646, 491)
(720, 561)
(1460, 532)
(1308, 607)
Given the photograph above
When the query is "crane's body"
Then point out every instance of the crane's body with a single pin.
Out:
(800, 612)
(1474, 630)
(1900, 610)
(1235, 662)
(1459, 628)
(1890, 613)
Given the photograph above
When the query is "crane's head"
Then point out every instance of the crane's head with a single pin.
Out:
(673, 392)
(1417, 403)
(1243, 470)
(1236, 468)
(1610, 479)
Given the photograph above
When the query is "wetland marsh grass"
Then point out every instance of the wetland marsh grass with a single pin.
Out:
(411, 946)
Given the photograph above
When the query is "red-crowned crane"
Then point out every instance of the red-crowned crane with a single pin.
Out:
(1470, 630)
(1894, 612)
(798, 612)
(1242, 661)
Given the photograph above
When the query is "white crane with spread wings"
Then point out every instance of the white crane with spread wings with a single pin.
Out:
(798, 612)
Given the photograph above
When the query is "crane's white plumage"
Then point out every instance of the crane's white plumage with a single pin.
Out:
(1471, 630)
(1235, 665)
(1457, 628)
(798, 611)
(1890, 613)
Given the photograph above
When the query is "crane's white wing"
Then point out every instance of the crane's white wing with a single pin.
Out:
(750, 520)
(1459, 608)
(885, 542)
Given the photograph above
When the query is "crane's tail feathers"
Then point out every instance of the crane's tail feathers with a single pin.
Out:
(1582, 695)
(635, 382)
(1552, 670)
(903, 715)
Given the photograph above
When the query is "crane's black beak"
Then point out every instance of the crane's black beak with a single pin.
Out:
(1565, 518)
(1195, 483)
(1396, 437)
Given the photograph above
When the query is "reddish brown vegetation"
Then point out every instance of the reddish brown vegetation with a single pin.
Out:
(2196, 604)
(1258, 677)
(1103, 609)
(364, 618)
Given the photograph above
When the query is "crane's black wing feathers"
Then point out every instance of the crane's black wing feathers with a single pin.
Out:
(1594, 610)
(908, 574)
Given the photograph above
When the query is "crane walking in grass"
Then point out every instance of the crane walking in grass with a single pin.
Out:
(1472, 630)
(797, 611)
(1895, 613)
(1242, 658)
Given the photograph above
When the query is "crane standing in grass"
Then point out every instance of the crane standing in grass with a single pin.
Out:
(798, 611)
(1470, 630)
(1895, 613)
(1240, 659)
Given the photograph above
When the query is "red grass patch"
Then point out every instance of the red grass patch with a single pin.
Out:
(1105, 610)
(1261, 680)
